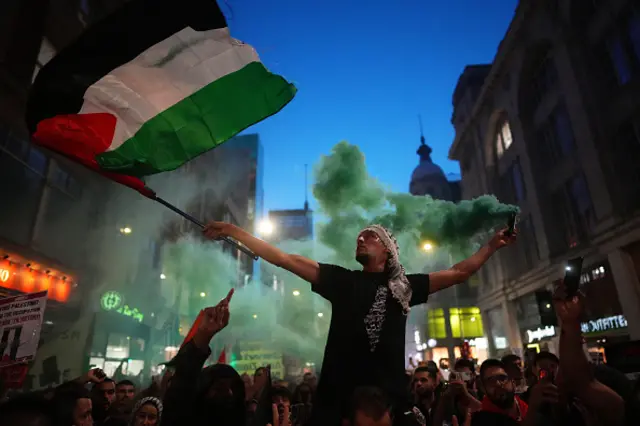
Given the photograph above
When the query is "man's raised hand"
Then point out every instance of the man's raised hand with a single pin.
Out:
(216, 230)
(214, 319)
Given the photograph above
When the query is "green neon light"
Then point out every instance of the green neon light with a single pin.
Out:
(113, 301)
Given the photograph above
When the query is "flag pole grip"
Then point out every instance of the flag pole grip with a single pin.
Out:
(190, 218)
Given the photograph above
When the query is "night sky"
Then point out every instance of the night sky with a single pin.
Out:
(364, 70)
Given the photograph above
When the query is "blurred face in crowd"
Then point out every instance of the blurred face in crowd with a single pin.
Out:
(105, 393)
(281, 400)
(362, 419)
(515, 369)
(82, 413)
(369, 249)
(147, 415)
(498, 387)
(125, 391)
(423, 383)
(221, 392)
(310, 379)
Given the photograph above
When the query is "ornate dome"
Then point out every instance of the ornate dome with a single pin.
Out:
(428, 178)
(426, 169)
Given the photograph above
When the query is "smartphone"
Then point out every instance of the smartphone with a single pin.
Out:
(545, 376)
(511, 224)
(573, 270)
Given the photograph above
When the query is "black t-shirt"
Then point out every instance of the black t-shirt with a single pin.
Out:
(366, 339)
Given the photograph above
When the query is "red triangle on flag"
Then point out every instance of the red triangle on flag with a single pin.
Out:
(222, 359)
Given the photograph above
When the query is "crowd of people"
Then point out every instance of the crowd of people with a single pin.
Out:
(562, 389)
(363, 379)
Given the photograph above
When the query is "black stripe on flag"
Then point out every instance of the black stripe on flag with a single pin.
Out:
(119, 38)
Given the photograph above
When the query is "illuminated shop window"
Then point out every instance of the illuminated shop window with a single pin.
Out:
(466, 322)
(436, 321)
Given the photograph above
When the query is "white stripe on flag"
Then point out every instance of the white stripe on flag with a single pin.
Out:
(163, 75)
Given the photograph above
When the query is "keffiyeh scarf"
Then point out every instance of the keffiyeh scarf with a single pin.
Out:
(398, 282)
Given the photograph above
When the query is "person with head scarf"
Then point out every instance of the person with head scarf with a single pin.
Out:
(366, 341)
(147, 412)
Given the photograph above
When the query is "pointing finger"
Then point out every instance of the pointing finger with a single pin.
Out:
(275, 415)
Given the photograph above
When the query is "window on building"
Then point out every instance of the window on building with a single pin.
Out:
(619, 59)
(625, 152)
(563, 130)
(436, 324)
(581, 202)
(518, 181)
(528, 244)
(503, 139)
(466, 322)
(544, 77)
(556, 136)
(564, 224)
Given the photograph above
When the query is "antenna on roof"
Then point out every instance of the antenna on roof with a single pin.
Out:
(422, 140)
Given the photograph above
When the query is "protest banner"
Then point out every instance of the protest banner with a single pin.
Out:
(20, 324)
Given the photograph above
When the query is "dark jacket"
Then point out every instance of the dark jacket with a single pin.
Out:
(187, 402)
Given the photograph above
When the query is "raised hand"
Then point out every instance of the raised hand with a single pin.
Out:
(502, 238)
(276, 416)
(95, 375)
(216, 230)
(214, 319)
(567, 310)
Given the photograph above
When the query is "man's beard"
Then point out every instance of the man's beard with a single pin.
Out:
(424, 393)
(505, 400)
(362, 258)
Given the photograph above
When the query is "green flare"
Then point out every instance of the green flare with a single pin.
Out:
(350, 199)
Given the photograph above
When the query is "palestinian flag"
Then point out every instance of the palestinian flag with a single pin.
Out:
(152, 86)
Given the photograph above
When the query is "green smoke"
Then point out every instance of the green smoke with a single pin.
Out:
(349, 199)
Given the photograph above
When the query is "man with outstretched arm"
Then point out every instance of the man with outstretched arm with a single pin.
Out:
(365, 346)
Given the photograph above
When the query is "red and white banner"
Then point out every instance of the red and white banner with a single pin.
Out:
(20, 324)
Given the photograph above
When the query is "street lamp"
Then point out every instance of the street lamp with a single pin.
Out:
(126, 230)
(255, 316)
(265, 228)
(320, 314)
(163, 277)
(203, 294)
(427, 246)
(296, 293)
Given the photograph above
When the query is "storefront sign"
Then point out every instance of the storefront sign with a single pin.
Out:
(541, 333)
(113, 301)
(4, 275)
(479, 343)
(604, 324)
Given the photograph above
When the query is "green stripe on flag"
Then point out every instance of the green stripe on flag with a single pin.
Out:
(200, 122)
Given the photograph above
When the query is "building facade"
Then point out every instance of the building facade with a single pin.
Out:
(552, 125)
(59, 229)
(451, 320)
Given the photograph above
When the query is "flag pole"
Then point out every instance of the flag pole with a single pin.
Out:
(190, 218)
